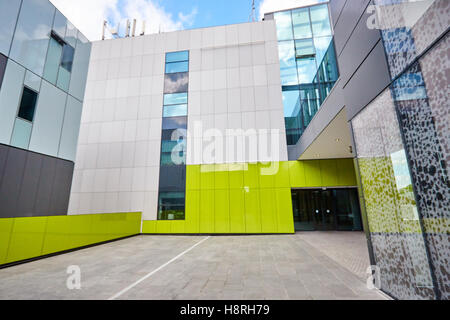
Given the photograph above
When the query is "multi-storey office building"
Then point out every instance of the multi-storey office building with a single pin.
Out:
(300, 122)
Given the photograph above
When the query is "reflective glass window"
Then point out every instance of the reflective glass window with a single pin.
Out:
(174, 134)
(302, 23)
(304, 48)
(63, 79)
(174, 123)
(173, 152)
(175, 111)
(288, 67)
(320, 21)
(60, 24)
(322, 45)
(67, 57)
(175, 67)
(176, 82)
(168, 146)
(173, 159)
(175, 98)
(27, 104)
(171, 206)
(177, 56)
(307, 70)
(32, 81)
(71, 34)
(9, 11)
(21, 134)
(172, 178)
(31, 38)
(284, 25)
(53, 61)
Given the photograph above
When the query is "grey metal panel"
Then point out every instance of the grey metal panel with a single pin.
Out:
(3, 61)
(61, 188)
(43, 197)
(11, 182)
(336, 7)
(3, 156)
(327, 112)
(357, 48)
(268, 16)
(29, 185)
(352, 12)
(369, 80)
(32, 184)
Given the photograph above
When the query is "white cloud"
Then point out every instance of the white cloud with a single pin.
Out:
(276, 5)
(88, 15)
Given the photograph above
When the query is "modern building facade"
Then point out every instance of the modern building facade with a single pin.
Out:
(391, 96)
(44, 63)
(327, 117)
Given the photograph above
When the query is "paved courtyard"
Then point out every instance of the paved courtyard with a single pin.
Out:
(198, 267)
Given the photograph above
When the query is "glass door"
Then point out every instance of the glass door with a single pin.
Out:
(326, 209)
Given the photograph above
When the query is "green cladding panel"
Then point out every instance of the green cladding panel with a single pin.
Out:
(222, 211)
(237, 211)
(31, 237)
(252, 211)
(250, 197)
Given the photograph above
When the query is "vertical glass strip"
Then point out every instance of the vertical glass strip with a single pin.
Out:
(172, 176)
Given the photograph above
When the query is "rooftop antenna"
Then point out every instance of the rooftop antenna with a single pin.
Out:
(114, 32)
(143, 28)
(252, 17)
(133, 30)
(127, 32)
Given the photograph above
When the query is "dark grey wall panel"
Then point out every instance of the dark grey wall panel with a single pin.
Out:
(61, 188)
(3, 61)
(360, 44)
(30, 184)
(351, 13)
(368, 81)
(48, 172)
(3, 156)
(336, 7)
(11, 182)
(33, 184)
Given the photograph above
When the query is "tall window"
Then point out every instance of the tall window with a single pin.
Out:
(24, 122)
(58, 66)
(172, 181)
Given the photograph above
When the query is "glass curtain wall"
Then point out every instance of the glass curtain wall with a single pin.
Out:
(172, 181)
(308, 64)
(402, 140)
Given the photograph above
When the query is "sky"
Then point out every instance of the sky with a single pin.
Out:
(165, 15)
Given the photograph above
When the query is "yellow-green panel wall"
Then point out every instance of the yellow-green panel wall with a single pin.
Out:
(26, 238)
(250, 198)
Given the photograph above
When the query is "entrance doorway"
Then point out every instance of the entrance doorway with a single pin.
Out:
(326, 209)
